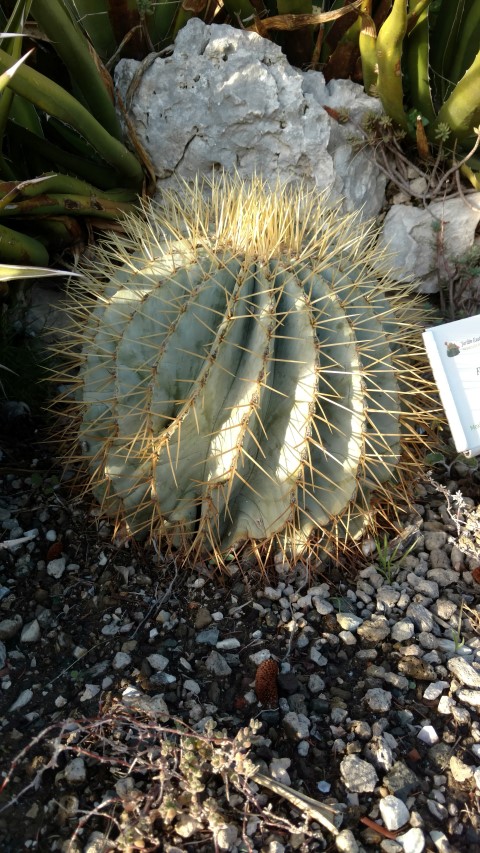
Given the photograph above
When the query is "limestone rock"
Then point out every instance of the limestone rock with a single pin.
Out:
(412, 234)
(228, 99)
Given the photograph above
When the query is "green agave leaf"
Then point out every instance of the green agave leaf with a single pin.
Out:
(389, 50)
(58, 157)
(72, 47)
(469, 41)
(18, 248)
(445, 44)
(50, 97)
(417, 49)
(461, 111)
(93, 19)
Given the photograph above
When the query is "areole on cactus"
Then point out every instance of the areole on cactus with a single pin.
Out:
(243, 376)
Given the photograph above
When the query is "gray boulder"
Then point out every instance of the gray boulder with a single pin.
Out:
(426, 241)
(228, 99)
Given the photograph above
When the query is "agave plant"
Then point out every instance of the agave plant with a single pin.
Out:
(62, 157)
(422, 59)
(243, 376)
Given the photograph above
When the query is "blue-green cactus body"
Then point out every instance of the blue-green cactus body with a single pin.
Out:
(243, 389)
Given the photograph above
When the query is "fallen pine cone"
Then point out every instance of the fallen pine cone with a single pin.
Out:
(266, 683)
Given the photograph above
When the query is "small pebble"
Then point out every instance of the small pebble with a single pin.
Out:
(427, 734)
(464, 672)
(121, 660)
(56, 568)
(460, 771)
(394, 812)
(75, 771)
(358, 775)
(349, 621)
(217, 664)
(433, 691)
(23, 699)
(31, 632)
(378, 700)
(158, 662)
(345, 842)
(412, 841)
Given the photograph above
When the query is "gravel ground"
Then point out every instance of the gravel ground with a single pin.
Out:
(374, 712)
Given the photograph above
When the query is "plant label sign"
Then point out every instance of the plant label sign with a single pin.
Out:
(454, 353)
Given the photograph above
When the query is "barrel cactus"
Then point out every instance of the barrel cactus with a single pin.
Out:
(243, 377)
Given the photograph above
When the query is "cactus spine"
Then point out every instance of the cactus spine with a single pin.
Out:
(244, 376)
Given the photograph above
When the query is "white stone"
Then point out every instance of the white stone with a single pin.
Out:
(345, 842)
(380, 753)
(412, 841)
(21, 700)
(158, 662)
(10, 627)
(403, 630)
(378, 700)
(75, 771)
(227, 836)
(349, 621)
(358, 776)
(394, 812)
(227, 98)
(444, 577)
(338, 716)
(460, 770)
(427, 734)
(315, 683)
(471, 697)
(322, 590)
(121, 660)
(110, 629)
(296, 726)
(464, 672)
(387, 597)
(56, 568)
(476, 776)
(217, 664)
(348, 638)
(191, 686)
(421, 617)
(186, 825)
(409, 232)
(423, 586)
(152, 705)
(317, 657)
(272, 594)
(79, 652)
(322, 606)
(433, 691)
(89, 692)
(445, 705)
(228, 644)
(278, 770)
(30, 632)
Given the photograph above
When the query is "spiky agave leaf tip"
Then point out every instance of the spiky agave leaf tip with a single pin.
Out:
(245, 374)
